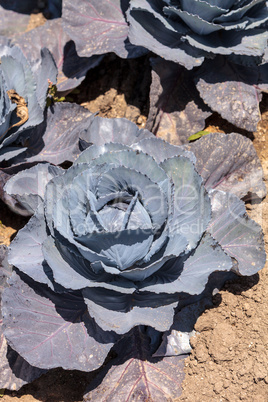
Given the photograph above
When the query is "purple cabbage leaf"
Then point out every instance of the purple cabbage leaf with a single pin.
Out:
(14, 370)
(176, 108)
(99, 27)
(229, 163)
(135, 374)
(72, 69)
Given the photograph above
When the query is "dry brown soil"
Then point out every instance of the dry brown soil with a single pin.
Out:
(229, 361)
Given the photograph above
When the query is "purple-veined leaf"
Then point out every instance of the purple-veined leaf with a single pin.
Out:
(176, 109)
(229, 163)
(14, 370)
(52, 330)
(135, 375)
(239, 236)
(56, 140)
(231, 90)
(99, 27)
(72, 69)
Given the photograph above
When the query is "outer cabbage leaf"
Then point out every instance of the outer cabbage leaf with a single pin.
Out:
(62, 332)
(122, 131)
(239, 236)
(229, 163)
(72, 69)
(176, 109)
(56, 139)
(98, 28)
(27, 188)
(14, 370)
(232, 90)
(135, 374)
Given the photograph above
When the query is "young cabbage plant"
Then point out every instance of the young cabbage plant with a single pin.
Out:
(124, 238)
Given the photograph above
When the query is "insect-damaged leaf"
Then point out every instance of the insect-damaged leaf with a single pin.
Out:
(231, 90)
(229, 163)
(135, 375)
(176, 109)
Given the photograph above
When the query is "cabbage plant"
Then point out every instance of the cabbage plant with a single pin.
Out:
(23, 93)
(122, 240)
(226, 40)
